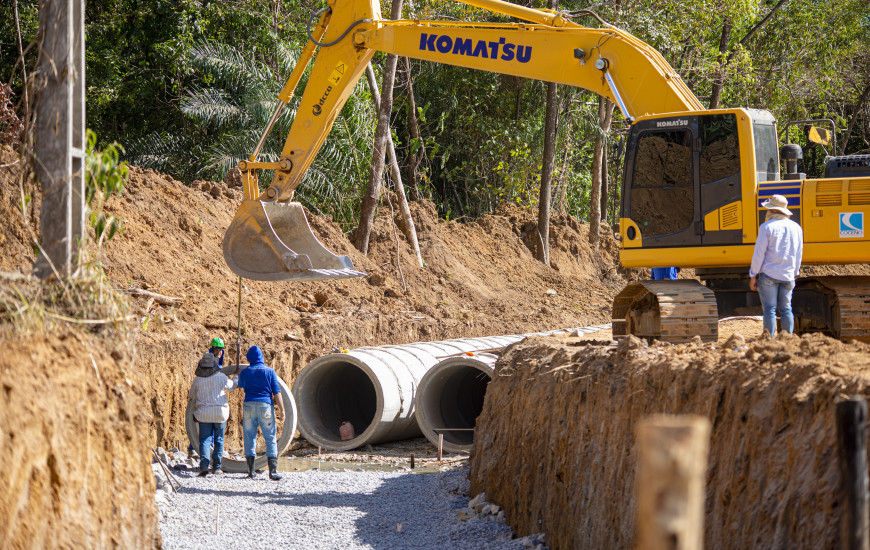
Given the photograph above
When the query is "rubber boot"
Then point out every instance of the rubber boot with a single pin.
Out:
(250, 460)
(273, 469)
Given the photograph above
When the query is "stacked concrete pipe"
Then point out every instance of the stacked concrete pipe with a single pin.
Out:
(285, 436)
(374, 388)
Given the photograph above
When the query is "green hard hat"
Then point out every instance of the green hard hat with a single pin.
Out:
(217, 343)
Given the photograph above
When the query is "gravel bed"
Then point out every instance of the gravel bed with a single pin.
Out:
(329, 510)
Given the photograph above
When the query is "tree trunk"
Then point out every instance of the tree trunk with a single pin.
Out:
(544, 197)
(719, 83)
(414, 132)
(560, 197)
(407, 221)
(546, 192)
(370, 201)
(724, 60)
(605, 116)
(851, 126)
(604, 182)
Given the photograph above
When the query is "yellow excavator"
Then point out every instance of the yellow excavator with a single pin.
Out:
(693, 179)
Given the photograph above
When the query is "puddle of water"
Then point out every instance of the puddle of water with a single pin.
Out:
(287, 464)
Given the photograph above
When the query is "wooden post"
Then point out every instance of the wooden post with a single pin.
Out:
(60, 134)
(671, 478)
(852, 449)
(440, 445)
(412, 461)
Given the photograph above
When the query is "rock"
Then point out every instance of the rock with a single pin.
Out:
(321, 299)
(376, 279)
(629, 343)
(551, 292)
(479, 500)
(215, 191)
(734, 341)
(466, 514)
(392, 293)
(234, 178)
(491, 509)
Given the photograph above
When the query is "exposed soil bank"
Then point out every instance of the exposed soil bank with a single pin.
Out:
(555, 442)
(76, 470)
(480, 279)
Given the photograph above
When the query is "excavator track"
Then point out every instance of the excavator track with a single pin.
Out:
(836, 306)
(670, 311)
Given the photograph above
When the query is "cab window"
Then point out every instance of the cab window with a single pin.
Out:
(662, 195)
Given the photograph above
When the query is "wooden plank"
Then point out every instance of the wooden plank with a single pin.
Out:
(852, 450)
(671, 479)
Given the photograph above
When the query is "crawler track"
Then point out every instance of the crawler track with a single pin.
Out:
(836, 306)
(671, 311)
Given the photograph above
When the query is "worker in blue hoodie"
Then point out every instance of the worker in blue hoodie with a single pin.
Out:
(262, 398)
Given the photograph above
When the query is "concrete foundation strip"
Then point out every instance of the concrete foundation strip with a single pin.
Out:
(285, 436)
(374, 388)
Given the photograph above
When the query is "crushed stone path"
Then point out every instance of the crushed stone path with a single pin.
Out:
(328, 510)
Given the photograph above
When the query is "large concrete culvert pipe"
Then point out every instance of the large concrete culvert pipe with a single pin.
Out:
(450, 398)
(284, 435)
(374, 388)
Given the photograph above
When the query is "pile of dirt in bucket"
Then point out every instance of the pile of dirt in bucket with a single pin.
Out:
(555, 443)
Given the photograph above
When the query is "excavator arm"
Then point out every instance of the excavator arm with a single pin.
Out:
(269, 238)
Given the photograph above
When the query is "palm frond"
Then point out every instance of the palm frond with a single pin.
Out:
(215, 107)
(229, 66)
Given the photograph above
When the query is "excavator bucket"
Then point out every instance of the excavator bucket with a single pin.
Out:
(272, 241)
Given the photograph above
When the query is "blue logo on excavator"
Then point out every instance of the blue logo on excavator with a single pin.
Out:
(501, 49)
(851, 225)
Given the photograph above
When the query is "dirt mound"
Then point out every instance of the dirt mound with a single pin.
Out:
(555, 444)
(480, 279)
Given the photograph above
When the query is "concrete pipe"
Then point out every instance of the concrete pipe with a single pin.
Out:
(372, 389)
(285, 436)
(451, 393)
(450, 398)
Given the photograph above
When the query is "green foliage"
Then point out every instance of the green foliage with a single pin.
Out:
(105, 175)
(229, 103)
(187, 86)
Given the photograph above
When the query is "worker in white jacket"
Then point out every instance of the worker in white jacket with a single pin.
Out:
(776, 263)
(211, 411)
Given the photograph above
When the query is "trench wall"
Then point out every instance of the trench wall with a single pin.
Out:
(76, 469)
(555, 441)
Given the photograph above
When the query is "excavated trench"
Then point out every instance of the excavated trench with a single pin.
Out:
(555, 443)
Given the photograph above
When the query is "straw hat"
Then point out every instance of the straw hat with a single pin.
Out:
(778, 203)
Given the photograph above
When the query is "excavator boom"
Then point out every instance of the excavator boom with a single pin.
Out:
(269, 238)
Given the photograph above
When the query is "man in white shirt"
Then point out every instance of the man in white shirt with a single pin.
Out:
(211, 410)
(776, 263)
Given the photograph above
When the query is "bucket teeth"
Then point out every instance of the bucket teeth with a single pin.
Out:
(272, 241)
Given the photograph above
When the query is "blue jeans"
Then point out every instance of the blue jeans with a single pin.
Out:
(262, 415)
(776, 295)
(209, 431)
